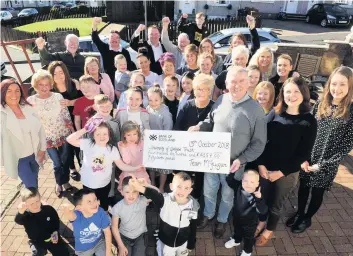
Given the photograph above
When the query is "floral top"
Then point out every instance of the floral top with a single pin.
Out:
(54, 117)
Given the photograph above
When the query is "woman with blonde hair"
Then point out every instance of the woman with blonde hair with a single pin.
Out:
(206, 46)
(264, 59)
(264, 94)
(102, 79)
(57, 124)
(334, 114)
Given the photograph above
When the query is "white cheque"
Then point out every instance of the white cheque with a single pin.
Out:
(187, 151)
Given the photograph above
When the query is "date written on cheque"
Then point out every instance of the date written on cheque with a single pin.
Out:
(207, 144)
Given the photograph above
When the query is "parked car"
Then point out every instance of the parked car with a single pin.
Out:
(3, 69)
(57, 7)
(70, 5)
(327, 15)
(5, 15)
(86, 45)
(28, 12)
(349, 10)
(221, 39)
(12, 10)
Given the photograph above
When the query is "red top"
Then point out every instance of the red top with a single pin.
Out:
(82, 108)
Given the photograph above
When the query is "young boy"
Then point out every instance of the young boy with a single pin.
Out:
(122, 78)
(195, 30)
(89, 222)
(83, 105)
(41, 223)
(248, 203)
(177, 230)
(131, 211)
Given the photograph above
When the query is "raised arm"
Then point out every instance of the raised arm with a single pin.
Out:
(255, 40)
(135, 37)
(69, 213)
(182, 25)
(95, 37)
(43, 52)
(169, 46)
(74, 138)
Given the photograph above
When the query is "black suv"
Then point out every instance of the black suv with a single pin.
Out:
(328, 15)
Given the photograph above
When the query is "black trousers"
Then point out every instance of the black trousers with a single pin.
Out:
(245, 228)
(75, 151)
(102, 195)
(40, 249)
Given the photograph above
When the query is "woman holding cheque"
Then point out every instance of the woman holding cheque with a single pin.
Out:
(193, 112)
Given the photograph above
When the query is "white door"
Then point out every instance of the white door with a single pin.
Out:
(186, 6)
(292, 6)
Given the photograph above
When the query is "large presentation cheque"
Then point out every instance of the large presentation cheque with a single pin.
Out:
(187, 151)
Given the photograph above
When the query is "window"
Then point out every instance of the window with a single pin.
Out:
(16, 2)
(218, 2)
(225, 41)
(263, 1)
(263, 39)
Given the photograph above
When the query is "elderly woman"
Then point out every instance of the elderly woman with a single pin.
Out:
(102, 79)
(264, 59)
(206, 46)
(190, 55)
(69, 89)
(193, 112)
(240, 57)
(23, 138)
(57, 124)
(167, 61)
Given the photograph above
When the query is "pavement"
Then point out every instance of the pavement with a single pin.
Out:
(331, 233)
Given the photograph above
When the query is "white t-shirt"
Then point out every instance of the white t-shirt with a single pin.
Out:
(151, 79)
(97, 165)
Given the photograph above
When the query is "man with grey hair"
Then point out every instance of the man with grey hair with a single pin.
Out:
(237, 113)
(72, 58)
(183, 41)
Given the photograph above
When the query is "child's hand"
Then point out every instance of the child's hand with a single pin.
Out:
(257, 193)
(123, 251)
(235, 166)
(134, 183)
(141, 168)
(55, 237)
(93, 123)
(142, 182)
(22, 207)
(67, 208)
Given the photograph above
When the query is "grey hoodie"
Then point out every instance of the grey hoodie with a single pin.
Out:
(160, 119)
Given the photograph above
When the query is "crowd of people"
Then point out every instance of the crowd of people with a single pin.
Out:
(99, 116)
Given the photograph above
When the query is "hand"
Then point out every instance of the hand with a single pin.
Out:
(65, 103)
(263, 172)
(295, 74)
(55, 237)
(257, 193)
(123, 251)
(134, 183)
(305, 166)
(67, 208)
(250, 20)
(97, 20)
(185, 15)
(235, 166)
(166, 21)
(313, 168)
(142, 182)
(195, 128)
(22, 207)
(93, 123)
(273, 176)
(40, 42)
(140, 28)
(40, 156)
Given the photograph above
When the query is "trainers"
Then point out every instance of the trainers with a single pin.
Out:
(231, 243)
(220, 229)
(244, 253)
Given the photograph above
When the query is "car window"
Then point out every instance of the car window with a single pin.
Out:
(216, 36)
(335, 9)
(225, 41)
(86, 46)
(263, 39)
(315, 7)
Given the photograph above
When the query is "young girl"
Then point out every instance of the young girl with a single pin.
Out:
(160, 119)
(137, 79)
(134, 111)
(254, 75)
(190, 55)
(99, 153)
(170, 90)
(264, 59)
(188, 93)
(264, 94)
(334, 141)
(131, 150)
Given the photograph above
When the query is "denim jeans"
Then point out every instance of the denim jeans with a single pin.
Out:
(28, 169)
(137, 246)
(212, 181)
(60, 157)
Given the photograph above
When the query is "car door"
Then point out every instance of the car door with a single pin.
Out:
(321, 14)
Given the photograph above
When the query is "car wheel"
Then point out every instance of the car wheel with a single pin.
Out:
(323, 23)
(307, 19)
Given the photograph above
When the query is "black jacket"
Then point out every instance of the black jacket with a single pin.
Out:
(278, 85)
(39, 226)
(136, 44)
(176, 227)
(245, 203)
(109, 55)
(195, 34)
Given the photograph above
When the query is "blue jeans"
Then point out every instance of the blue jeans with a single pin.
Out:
(60, 157)
(212, 181)
(28, 169)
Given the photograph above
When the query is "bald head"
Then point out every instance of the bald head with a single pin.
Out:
(183, 41)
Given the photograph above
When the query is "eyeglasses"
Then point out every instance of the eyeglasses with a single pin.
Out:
(202, 89)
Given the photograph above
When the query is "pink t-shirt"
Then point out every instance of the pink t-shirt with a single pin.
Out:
(106, 86)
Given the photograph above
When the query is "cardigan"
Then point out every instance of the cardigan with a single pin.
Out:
(12, 137)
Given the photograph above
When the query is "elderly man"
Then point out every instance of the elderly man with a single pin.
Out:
(71, 57)
(183, 41)
(109, 51)
(154, 47)
(235, 112)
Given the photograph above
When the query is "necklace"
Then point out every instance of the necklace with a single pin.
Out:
(203, 110)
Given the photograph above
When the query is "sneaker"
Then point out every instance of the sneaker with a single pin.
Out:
(244, 253)
(220, 229)
(231, 243)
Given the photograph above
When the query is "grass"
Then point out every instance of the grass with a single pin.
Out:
(84, 25)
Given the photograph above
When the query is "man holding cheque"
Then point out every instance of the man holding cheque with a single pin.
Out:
(237, 113)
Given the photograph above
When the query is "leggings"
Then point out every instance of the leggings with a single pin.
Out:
(317, 196)
(102, 195)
